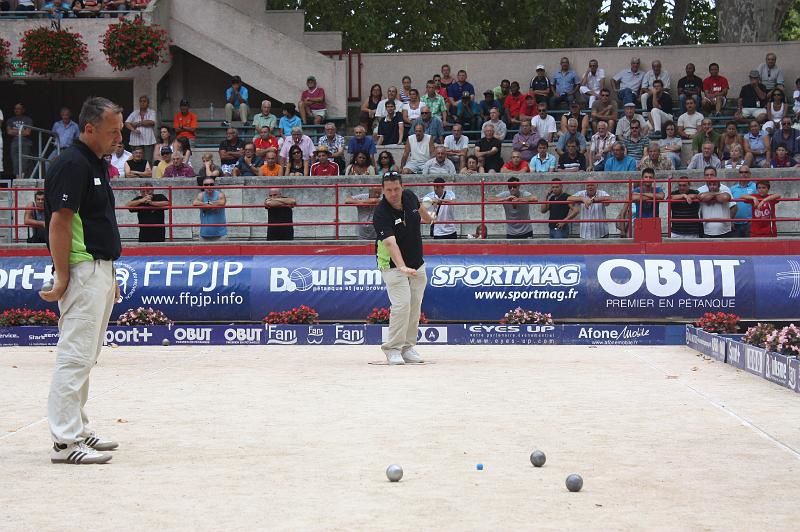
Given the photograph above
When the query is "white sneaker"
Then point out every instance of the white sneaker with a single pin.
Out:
(412, 357)
(77, 453)
(98, 443)
(394, 358)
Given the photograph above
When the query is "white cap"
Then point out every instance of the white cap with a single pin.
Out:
(539, 67)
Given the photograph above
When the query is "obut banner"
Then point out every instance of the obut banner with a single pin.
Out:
(461, 288)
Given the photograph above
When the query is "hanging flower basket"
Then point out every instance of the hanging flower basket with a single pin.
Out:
(47, 51)
(130, 44)
(5, 56)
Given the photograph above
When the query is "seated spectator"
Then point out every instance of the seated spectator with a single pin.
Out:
(591, 204)
(150, 209)
(603, 109)
(456, 90)
(559, 211)
(744, 211)
(312, 106)
(139, 4)
(185, 122)
(655, 159)
(715, 91)
(265, 141)
(361, 143)
(600, 145)
(296, 164)
(84, 8)
(366, 117)
(271, 168)
(529, 110)
(575, 113)
(764, 207)
(137, 165)
(499, 126)
(716, 204)
(391, 94)
(671, 145)
(517, 165)
(648, 85)
(796, 98)
(443, 213)
(265, 119)
(289, 120)
(690, 122)
(324, 166)
(571, 133)
(624, 123)
(417, 151)
(619, 162)
(591, 84)
(705, 134)
(730, 137)
(115, 5)
(178, 168)
(776, 110)
(565, 85)
(34, 219)
(635, 143)
(516, 203)
(432, 124)
(412, 109)
(404, 94)
(757, 146)
(659, 105)
(544, 124)
(230, 150)
(782, 159)
(439, 164)
(690, 87)
(297, 138)
(489, 148)
(456, 146)
(163, 163)
(543, 161)
(628, 83)
(334, 142)
(683, 205)
(208, 169)
(487, 103)
(443, 81)
(502, 91)
(390, 128)
(279, 212)
(467, 113)
(112, 170)
(472, 166)
(212, 211)
(770, 73)
(705, 158)
(359, 165)
(540, 86)
(385, 164)
(185, 149)
(119, 158)
(434, 101)
(25, 5)
(572, 160)
(787, 137)
(752, 100)
(249, 164)
(365, 207)
(513, 106)
(481, 233)
(525, 141)
(236, 100)
(164, 140)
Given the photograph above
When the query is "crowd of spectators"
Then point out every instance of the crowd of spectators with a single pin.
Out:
(69, 8)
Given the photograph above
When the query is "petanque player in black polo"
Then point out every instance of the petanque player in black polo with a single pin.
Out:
(83, 239)
(399, 250)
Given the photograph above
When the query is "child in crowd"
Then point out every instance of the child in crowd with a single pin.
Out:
(763, 223)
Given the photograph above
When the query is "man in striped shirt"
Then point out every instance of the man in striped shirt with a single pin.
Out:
(590, 203)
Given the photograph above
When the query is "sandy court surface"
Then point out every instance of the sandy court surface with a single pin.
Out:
(298, 438)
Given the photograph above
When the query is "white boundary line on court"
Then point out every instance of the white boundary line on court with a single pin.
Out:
(744, 421)
(112, 389)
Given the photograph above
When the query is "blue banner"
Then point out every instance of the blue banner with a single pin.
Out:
(461, 288)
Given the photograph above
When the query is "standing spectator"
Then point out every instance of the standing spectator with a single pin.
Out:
(137, 166)
(456, 90)
(513, 105)
(645, 196)
(489, 148)
(212, 211)
(385, 164)
(185, 122)
(456, 146)
(66, 129)
(517, 165)
(366, 116)
(467, 112)
(744, 210)
(34, 219)
(671, 145)
(571, 133)
(565, 85)
(714, 205)
(119, 158)
(439, 164)
(265, 141)
(544, 124)
(417, 151)
(619, 162)
(752, 100)
(787, 137)
(715, 91)
(516, 203)
(600, 146)
(575, 113)
(324, 166)
(684, 206)
(770, 73)
(361, 143)
(525, 141)
(365, 207)
(571, 160)
(592, 206)
(271, 168)
(704, 135)
(444, 213)
(648, 84)
(312, 102)
(142, 124)
(149, 209)
(558, 212)
(230, 150)
(689, 123)
(628, 82)
(236, 97)
(432, 124)
(390, 128)
(18, 129)
(279, 211)
(705, 158)
(540, 86)
(334, 142)
(624, 124)
(655, 159)
(265, 118)
(659, 105)
(690, 87)
(764, 211)
(249, 164)
(178, 168)
(360, 165)
(635, 143)
(303, 141)
(208, 169)
(543, 161)
(296, 164)
(499, 126)
(289, 120)
(592, 83)
(434, 101)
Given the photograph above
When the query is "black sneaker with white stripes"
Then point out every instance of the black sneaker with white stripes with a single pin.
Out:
(98, 443)
(77, 453)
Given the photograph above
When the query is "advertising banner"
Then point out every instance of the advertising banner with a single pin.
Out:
(461, 288)
(776, 369)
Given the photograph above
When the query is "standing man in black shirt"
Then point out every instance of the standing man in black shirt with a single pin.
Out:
(399, 251)
(84, 242)
(279, 211)
(684, 205)
(559, 212)
(149, 209)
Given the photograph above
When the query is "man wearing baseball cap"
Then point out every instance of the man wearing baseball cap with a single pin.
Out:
(540, 86)
(312, 102)
(752, 100)
(236, 98)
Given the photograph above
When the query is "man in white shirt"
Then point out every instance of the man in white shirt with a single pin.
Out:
(437, 203)
(690, 121)
(120, 157)
(592, 82)
(624, 123)
(647, 82)
(391, 94)
(544, 124)
(439, 164)
(628, 82)
(715, 203)
(456, 146)
(141, 124)
(771, 74)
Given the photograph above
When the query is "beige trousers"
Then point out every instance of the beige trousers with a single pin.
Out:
(405, 294)
(243, 112)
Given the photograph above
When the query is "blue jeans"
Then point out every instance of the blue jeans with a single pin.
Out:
(627, 96)
(741, 230)
(559, 233)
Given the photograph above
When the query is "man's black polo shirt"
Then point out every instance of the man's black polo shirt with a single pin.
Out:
(78, 180)
(404, 225)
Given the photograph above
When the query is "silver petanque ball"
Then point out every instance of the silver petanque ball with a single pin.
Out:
(165, 341)
(394, 473)
(574, 482)
(47, 285)
(538, 458)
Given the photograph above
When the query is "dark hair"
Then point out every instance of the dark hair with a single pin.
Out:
(731, 123)
(439, 180)
(762, 182)
(391, 176)
(390, 102)
(415, 91)
(648, 171)
(93, 109)
(658, 81)
(713, 64)
(666, 125)
(356, 154)
(777, 90)
(294, 149)
(543, 142)
(477, 162)
(710, 168)
(185, 146)
(38, 193)
(556, 179)
(513, 179)
(509, 82)
(389, 155)
(289, 108)
(406, 77)
(462, 70)
(373, 88)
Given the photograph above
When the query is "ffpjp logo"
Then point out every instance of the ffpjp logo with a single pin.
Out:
(127, 279)
(792, 275)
